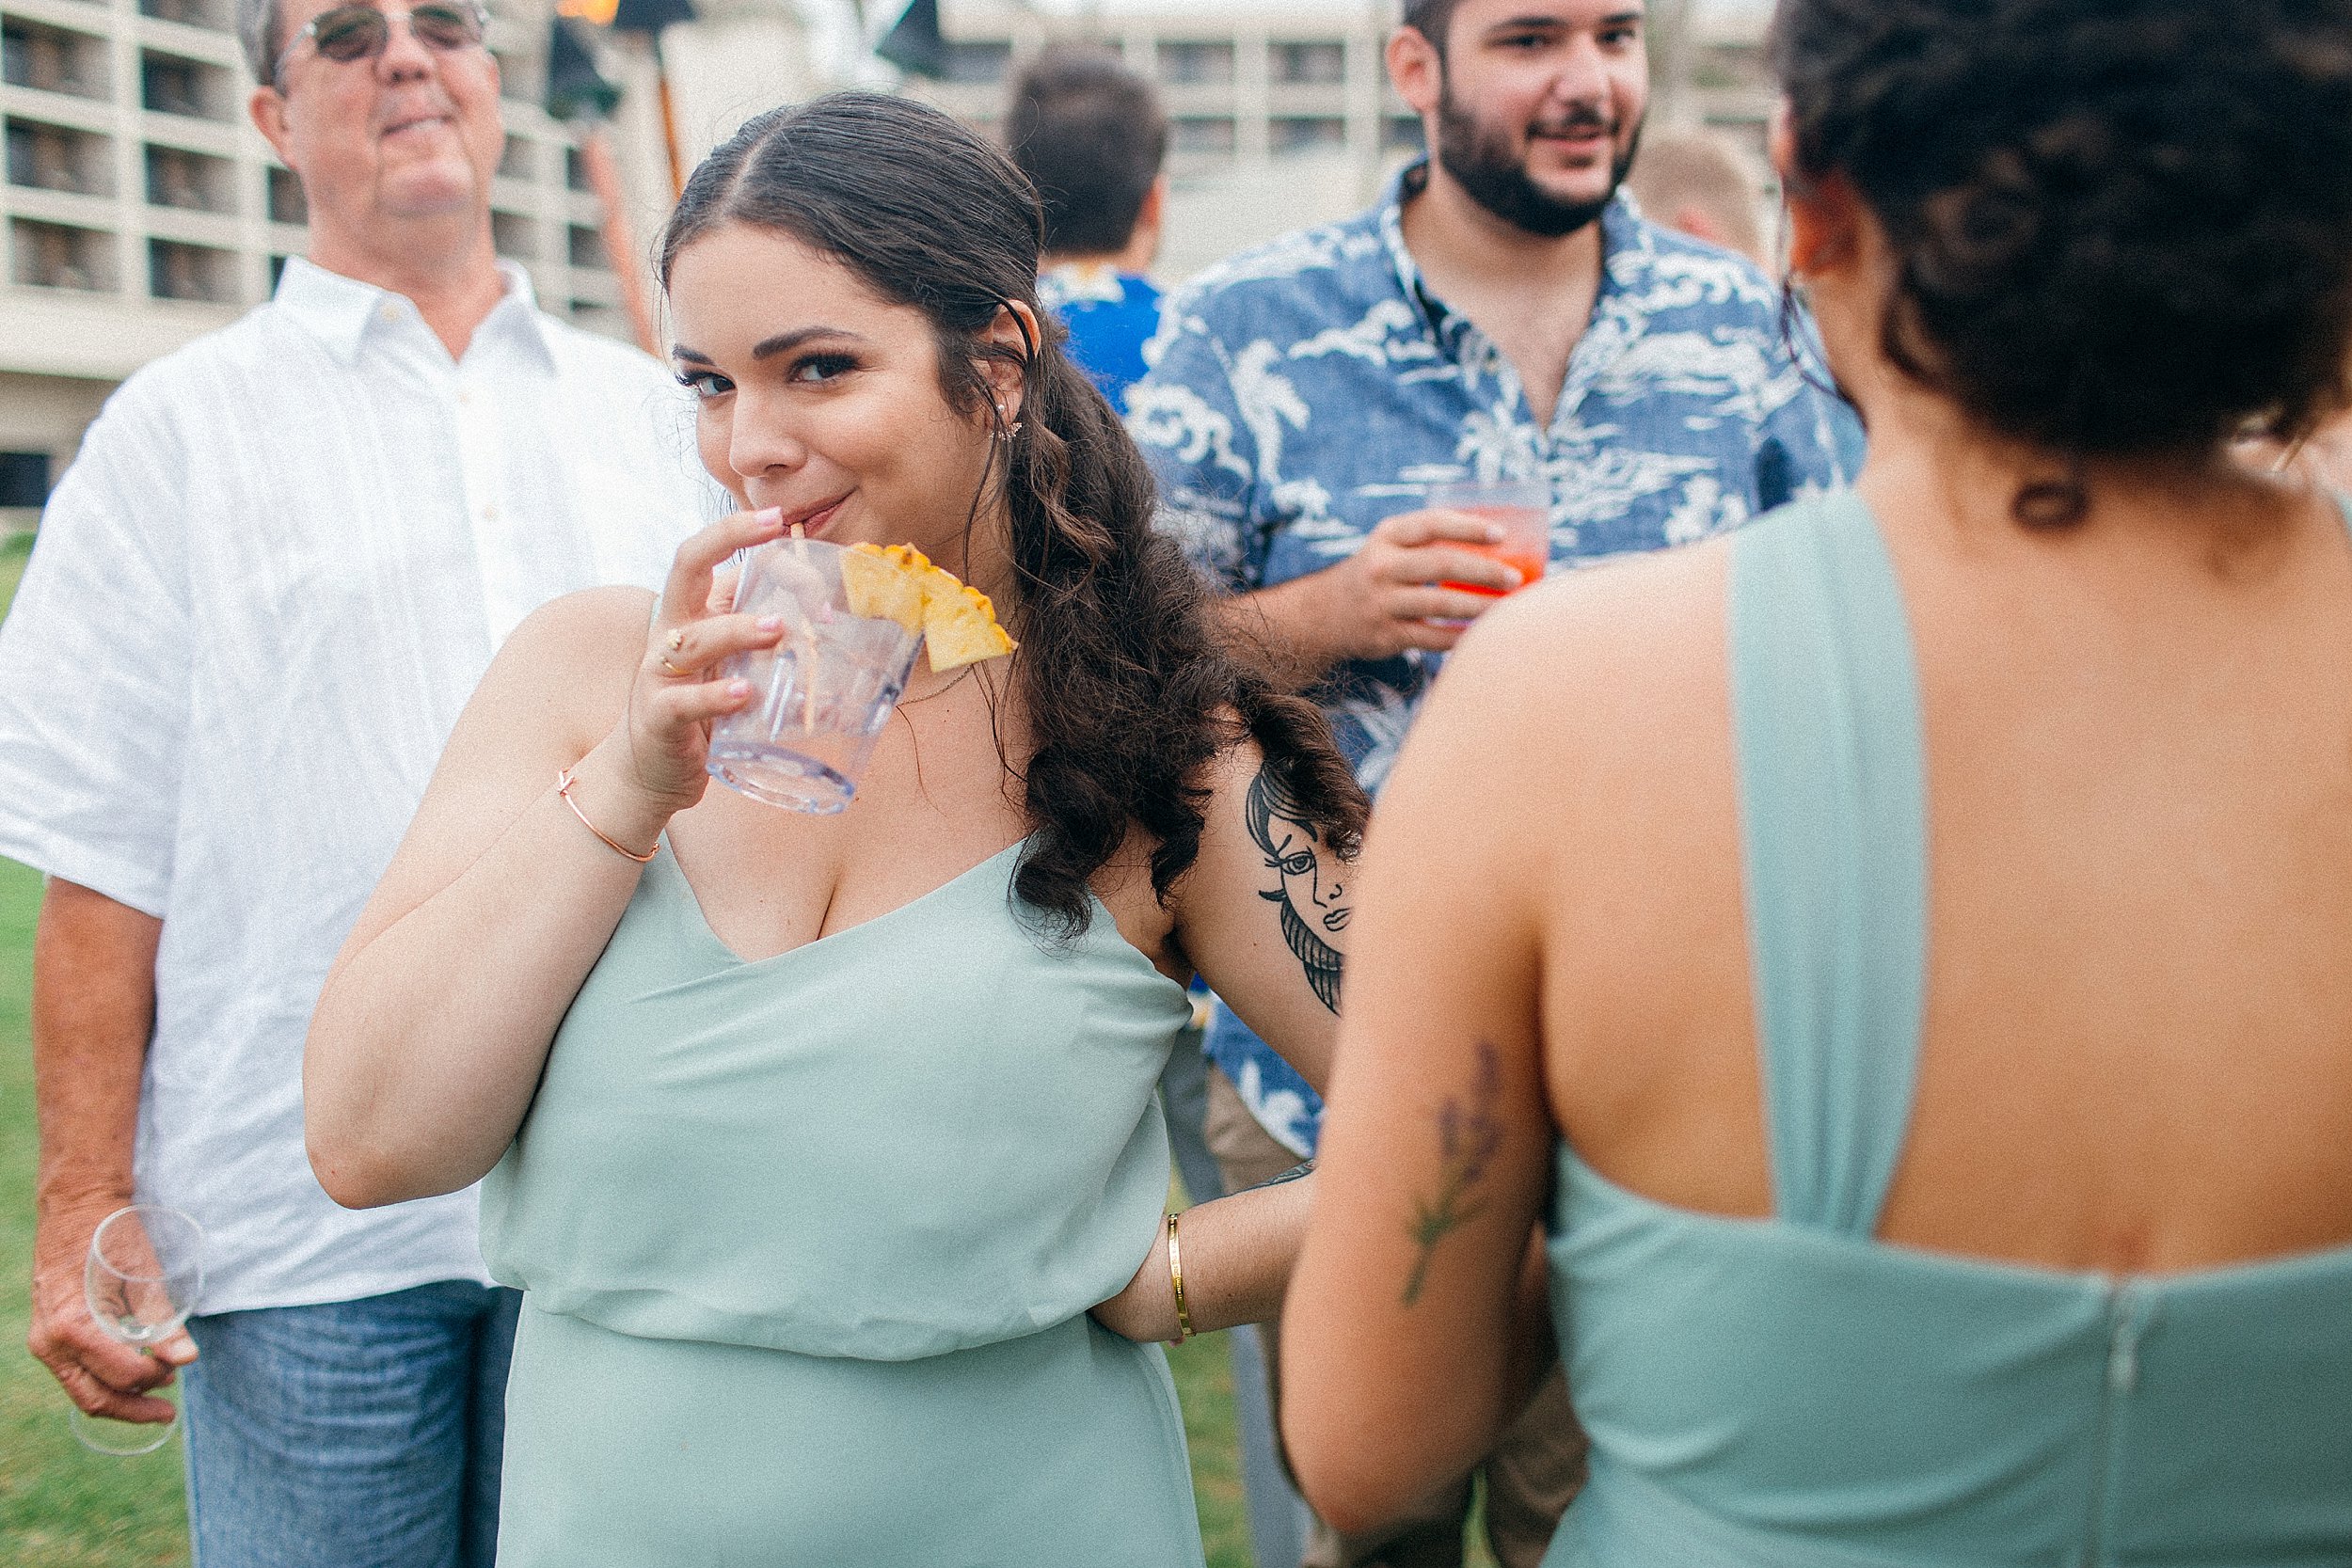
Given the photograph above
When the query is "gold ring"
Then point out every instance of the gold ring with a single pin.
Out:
(677, 639)
(674, 670)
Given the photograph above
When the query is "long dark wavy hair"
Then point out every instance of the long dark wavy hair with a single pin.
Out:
(1124, 688)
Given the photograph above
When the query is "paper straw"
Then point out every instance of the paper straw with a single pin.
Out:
(809, 676)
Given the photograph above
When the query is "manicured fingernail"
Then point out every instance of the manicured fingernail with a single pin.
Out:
(1494, 533)
(772, 622)
(739, 688)
(769, 518)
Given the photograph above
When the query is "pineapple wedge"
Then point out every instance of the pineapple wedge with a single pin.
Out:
(882, 588)
(899, 583)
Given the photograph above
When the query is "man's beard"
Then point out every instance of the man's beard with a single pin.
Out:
(1484, 164)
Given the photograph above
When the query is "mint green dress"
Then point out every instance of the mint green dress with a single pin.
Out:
(808, 1246)
(1791, 1393)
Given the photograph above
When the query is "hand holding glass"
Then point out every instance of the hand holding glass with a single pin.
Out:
(821, 696)
(144, 1272)
(1521, 508)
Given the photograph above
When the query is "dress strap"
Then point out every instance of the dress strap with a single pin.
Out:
(1825, 715)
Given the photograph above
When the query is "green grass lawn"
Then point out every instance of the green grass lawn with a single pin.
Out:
(62, 1506)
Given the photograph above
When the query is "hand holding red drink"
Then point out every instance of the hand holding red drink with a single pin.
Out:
(1420, 577)
(1520, 508)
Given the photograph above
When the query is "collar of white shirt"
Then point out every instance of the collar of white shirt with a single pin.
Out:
(340, 311)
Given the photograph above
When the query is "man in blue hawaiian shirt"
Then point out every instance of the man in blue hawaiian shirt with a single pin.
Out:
(1503, 313)
(1091, 135)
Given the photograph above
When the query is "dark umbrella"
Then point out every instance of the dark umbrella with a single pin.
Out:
(575, 88)
(913, 45)
(580, 96)
(649, 16)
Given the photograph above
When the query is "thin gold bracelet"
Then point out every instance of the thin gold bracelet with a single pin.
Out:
(1176, 1279)
(564, 787)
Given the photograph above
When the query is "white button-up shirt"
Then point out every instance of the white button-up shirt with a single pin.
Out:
(258, 601)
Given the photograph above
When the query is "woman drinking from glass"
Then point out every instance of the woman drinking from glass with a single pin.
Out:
(818, 1137)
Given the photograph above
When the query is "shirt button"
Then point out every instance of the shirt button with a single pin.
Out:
(489, 513)
(390, 312)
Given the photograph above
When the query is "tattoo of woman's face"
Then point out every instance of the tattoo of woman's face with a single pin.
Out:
(1311, 897)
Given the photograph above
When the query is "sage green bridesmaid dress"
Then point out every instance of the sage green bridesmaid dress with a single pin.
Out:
(1792, 1392)
(808, 1246)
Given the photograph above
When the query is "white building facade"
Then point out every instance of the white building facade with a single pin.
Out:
(141, 208)
(1281, 113)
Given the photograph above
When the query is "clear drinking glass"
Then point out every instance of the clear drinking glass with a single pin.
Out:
(821, 696)
(142, 1278)
(1524, 507)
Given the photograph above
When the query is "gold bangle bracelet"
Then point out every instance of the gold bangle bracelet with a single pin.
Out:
(564, 787)
(1176, 1279)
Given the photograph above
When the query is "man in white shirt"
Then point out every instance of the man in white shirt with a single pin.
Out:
(259, 600)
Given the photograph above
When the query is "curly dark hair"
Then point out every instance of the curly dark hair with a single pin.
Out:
(1126, 691)
(2122, 227)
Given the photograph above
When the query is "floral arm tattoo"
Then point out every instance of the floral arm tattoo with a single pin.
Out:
(1314, 902)
(1467, 1141)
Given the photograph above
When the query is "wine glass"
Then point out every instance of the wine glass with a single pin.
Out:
(145, 1269)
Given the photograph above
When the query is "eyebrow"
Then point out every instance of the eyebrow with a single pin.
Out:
(1539, 21)
(768, 348)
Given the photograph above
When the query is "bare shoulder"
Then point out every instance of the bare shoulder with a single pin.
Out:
(1619, 661)
(1581, 725)
(1574, 771)
(567, 667)
(1623, 635)
(584, 626)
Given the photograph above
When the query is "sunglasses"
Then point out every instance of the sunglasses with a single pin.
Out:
(350, 32)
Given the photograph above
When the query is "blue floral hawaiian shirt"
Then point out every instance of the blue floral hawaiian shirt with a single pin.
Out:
(1303, 391)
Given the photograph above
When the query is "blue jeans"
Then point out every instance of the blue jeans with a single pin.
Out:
(362, 1434)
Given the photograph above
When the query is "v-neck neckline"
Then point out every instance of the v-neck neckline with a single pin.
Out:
(710, 933)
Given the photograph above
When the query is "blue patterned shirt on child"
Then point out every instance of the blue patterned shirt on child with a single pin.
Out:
(1111, 315)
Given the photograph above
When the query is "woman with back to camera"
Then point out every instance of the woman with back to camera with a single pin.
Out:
(819, 1136)
(1916, 935)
